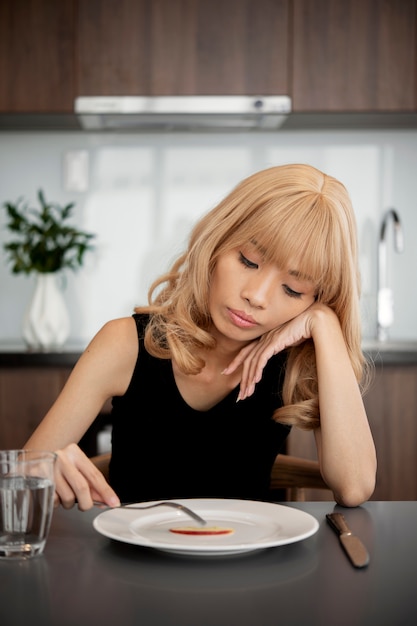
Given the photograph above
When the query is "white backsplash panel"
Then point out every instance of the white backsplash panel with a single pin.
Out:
(145, 192)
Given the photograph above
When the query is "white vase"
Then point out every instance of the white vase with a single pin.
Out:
(46, 324)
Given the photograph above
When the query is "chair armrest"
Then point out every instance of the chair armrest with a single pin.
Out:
(101, 461)
(290, 472)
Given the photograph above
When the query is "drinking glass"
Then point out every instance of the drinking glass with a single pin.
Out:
(27, 488)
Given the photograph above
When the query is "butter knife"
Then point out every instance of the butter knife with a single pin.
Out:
(352, 545)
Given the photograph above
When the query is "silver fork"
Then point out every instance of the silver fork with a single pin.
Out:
(174, 505)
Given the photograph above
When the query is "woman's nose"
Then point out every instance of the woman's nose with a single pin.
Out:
(258, 290)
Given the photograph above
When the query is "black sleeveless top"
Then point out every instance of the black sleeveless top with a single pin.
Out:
(163, 449)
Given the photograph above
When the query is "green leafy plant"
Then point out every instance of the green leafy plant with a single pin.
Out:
(44, 243)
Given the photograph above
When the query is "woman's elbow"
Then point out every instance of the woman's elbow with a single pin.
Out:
(355, 493)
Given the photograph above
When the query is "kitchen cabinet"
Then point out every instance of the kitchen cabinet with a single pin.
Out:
(354, 56)
(37, 42)
(391, 405)
(329, 56)
(28, 391)
(26, 394)
(186, 47)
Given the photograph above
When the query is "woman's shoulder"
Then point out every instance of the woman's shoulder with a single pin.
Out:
(121, 328)
(118, 337)
(114, 351)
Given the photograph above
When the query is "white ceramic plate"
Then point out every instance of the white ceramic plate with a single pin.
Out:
(256, 525)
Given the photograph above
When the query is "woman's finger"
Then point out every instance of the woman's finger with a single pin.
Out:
(79, 481)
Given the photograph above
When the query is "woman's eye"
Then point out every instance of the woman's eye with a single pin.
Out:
(290, 292)
(246, 262)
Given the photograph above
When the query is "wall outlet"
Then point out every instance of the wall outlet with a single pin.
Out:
(76, 174)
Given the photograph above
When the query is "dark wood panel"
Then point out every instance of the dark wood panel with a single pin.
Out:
(182, 48)
(391, 405)
(351, 55)
(36, 56)
(113, 51)
(329, 55)
(26, 395)
(173, 65)
(242, 47)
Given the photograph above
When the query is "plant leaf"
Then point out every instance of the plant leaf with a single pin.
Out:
(44, 242)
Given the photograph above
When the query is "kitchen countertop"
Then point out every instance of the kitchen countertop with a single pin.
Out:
(15, 354)
(391, 352)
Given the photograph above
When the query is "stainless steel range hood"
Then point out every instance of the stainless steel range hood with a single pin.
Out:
(186, 113)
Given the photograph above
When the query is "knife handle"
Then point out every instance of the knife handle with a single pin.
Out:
(338, 523)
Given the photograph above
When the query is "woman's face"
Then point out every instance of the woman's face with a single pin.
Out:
(249, 297)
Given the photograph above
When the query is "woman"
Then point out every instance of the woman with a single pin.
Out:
(255, 328)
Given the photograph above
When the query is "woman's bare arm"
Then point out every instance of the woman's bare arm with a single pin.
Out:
(104, 370)
(345, 446)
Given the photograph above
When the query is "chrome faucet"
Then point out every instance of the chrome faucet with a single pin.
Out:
(385, 303)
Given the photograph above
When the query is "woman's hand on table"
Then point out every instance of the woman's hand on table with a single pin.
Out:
(79, 481)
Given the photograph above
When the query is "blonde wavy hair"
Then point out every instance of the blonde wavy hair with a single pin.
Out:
(299, 216)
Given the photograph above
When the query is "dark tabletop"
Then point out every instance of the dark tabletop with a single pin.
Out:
(84, 578)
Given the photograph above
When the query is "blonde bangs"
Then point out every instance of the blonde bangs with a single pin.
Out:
(302, 235)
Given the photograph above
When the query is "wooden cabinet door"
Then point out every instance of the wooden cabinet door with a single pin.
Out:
(354, 55)
(391, 405)
(182, 47)
(36, 56)
(26, 394)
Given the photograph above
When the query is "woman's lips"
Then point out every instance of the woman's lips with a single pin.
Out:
(241, 319)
